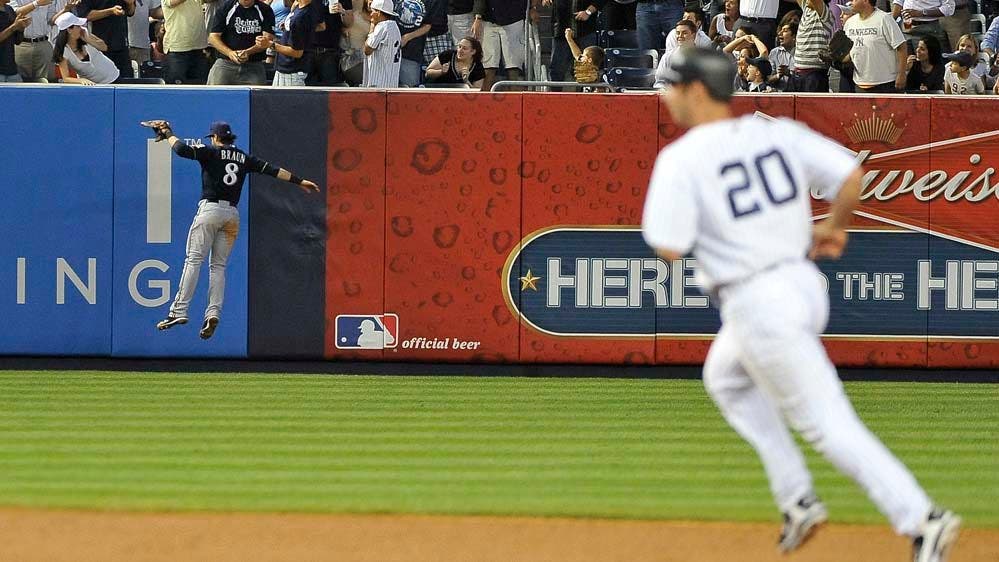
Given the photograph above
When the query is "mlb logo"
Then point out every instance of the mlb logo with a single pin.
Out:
(366, 331)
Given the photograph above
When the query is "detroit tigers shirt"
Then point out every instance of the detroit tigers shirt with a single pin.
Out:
(241, 26)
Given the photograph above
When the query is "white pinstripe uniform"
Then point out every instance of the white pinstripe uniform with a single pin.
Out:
(746, 215)
(381, 68)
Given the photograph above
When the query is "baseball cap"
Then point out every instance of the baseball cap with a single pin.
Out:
(763, 64)
(220, 128)
(68, 20)
(962, 58)
(384, 6)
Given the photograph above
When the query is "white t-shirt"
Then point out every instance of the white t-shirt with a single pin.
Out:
(98, 69)
(700, 40)
(138, 23)
(381, 68)
(971, 86)
(759, 8)
(874, 42)
(746, 205)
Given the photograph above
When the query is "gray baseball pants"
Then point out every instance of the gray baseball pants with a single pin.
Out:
(212, 233)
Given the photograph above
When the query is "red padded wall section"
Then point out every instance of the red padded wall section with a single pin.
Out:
(452, 217)
(355, 229)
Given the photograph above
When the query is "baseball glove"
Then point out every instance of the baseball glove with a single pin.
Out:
(160, 127)
(839, 46)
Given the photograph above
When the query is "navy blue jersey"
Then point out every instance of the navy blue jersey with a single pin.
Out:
(223, 169)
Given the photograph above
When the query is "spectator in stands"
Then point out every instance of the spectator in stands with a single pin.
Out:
(745, 40)
(980, 67)
(926, 67)
(619, 14)
(811, 71)
(156, 49)
(502, 24)
(280, 9)
(582, 22)
(686, 30)
(587, 63)
(414, 29)
(793, 16)
(991, 39)
(654, 19)
(782, 58)
(109, 21)
(382, 48)
(921, 18)
(33, 55)
(460, 66)
(692, 12)
(334, 16)
(959, 79)
(234, 35)
(460, 18)
(83, 52)
(879, 52)
(439, 37)
(959, 23)
(352, 58)
(757, 71)
(759, 18)
(722, 29)
(12, 26)
(292, 53)
(184, 42)
(138, 29)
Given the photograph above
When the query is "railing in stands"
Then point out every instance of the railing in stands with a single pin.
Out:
(525, 84)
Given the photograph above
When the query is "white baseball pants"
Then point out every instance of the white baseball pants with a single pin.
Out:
(767, 365)
(214, 230)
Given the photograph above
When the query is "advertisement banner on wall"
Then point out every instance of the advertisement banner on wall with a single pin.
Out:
(156, 198)
(55, 258)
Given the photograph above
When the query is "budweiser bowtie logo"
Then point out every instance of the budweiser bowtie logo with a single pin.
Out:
(874, 129)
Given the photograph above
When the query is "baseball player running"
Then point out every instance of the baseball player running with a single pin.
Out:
(216, 224)
(746, 216)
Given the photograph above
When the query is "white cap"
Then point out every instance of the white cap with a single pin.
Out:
(386, 6)
(68, 20)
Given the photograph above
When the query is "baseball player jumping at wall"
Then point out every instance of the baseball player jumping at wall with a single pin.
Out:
(746, 216)
(216, 224)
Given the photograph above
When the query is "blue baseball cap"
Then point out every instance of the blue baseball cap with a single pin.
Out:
(221, 129)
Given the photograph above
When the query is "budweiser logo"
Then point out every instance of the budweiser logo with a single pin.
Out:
(874, 129)
(885, 185)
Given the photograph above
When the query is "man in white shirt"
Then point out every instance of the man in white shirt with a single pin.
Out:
(684, 31)
(34, 53)
(138, 29)
(383, 47)
(696, 15)
(879, 50)
(746, 217)
(920, 18)
(759, 18)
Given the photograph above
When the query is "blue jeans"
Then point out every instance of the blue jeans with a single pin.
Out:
(655, 20)
(561, 67)
(410, 73)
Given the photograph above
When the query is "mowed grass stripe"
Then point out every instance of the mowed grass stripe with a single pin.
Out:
(588, 447)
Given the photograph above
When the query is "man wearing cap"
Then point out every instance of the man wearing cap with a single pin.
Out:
(959, 79)
(383, 47)
(879, 51)
(216, 224)
(109, 21)
(234, 33)
(34, 53)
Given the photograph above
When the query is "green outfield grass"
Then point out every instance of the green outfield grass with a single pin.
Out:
(649, 449)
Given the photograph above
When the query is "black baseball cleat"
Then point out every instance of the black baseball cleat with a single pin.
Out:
(170, 322)
(937, 535)
(208, 328)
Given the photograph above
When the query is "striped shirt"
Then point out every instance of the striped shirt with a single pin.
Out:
(381, 68)
(814, 32)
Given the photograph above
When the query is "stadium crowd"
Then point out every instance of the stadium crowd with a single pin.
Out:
(933, 46)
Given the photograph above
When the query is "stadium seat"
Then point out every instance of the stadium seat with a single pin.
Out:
(623, 38)
(634, 58)
(627, 78)
(978, 25)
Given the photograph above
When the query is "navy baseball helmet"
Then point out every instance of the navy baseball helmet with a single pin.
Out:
(714, 69)
(220, 129)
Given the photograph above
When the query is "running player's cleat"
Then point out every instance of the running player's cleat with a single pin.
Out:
(208, 328)
(937, 535)
(801, 522)
(170, 322)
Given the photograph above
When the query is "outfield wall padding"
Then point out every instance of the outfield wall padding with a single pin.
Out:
(472, 227)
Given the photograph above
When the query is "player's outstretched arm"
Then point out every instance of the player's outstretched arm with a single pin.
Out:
(829, 236)
(304, 184)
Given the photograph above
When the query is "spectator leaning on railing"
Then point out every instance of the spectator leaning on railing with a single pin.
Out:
(83, 52)
(234, 35)
(879, 51)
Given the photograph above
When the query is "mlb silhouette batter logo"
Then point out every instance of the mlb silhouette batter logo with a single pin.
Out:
(365, 331)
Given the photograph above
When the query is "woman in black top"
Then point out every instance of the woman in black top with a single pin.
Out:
(461, 66)
(926, 67)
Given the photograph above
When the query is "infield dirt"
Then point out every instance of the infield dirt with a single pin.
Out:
(28, 535)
